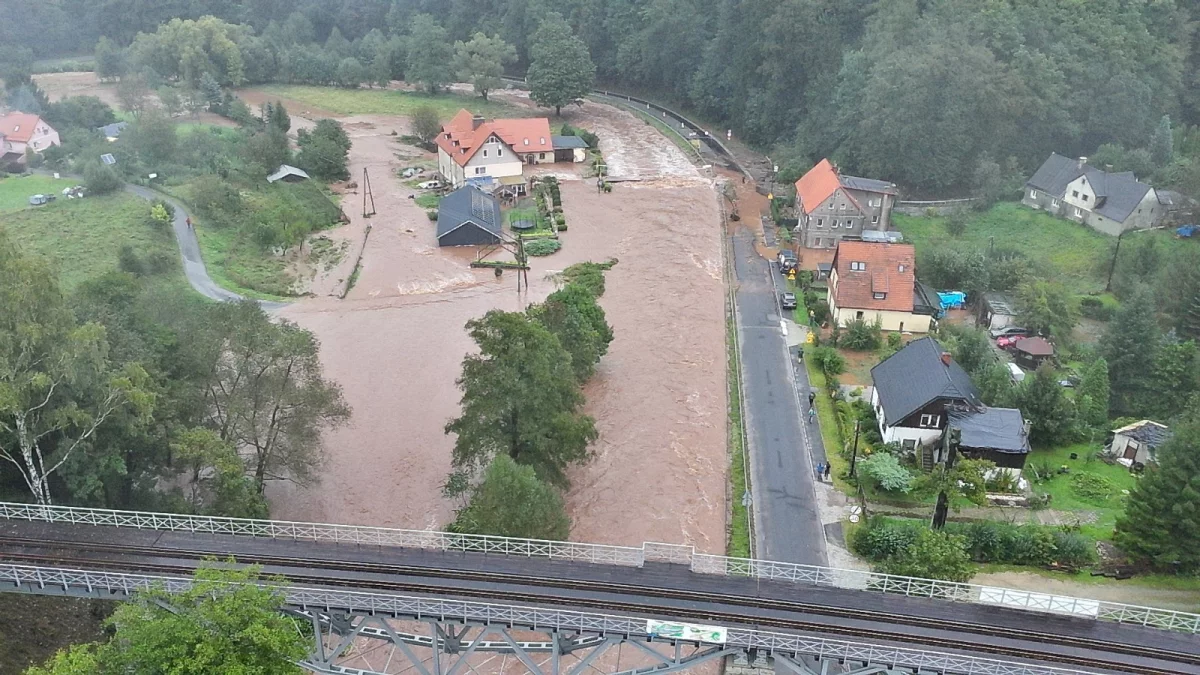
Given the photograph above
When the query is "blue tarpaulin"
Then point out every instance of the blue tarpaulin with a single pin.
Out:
(1188, 230)
(952, 299)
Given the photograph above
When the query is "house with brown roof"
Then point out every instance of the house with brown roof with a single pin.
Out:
(19, 131)
(877, 282)
(831, 206)
(473, 150)
(1032, 352)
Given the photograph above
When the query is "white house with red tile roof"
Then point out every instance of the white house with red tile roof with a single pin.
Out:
(19, 131)
(471, 148)
(876, 281)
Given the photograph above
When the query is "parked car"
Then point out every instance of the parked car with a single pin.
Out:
(786, 255)
(787, 300)
(430, 185)
(1010, 331)
(1008, 341)
(38, 200)
(1015, 372)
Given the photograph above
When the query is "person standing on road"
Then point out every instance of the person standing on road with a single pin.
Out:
(827, 471)
(820, 470)
(812, 396)
(189, 222)
(812, 413)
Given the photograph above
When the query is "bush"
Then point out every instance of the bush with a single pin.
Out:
(829, 361)
(128, 261)
(560, 220)
(432, 215)
(100, 179)
(885, 471)
(542, 247)
(932, 555)
(894, 340)
(862, 336)
(1094, 308)
(879, 539)
(956, 222)
(160, 217)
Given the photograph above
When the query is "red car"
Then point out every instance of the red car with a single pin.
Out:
(1008, 341)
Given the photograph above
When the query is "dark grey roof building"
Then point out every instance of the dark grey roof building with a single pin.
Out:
(919, 374)
(468, 217)
(1111, 202)
(998, 435)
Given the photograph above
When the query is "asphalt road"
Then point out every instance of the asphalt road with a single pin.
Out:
(189, 249)
(787, 523)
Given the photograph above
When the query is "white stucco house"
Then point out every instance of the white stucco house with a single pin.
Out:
(876, 281)
(1110, 202)
(912, 390)
(19, 131)
(472, 150)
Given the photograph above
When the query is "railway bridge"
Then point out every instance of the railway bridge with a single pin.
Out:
(391, 600)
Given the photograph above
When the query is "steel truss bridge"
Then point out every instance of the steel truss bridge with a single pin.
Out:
(381, 600)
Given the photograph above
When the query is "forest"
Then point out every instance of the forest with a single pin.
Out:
(916, 91)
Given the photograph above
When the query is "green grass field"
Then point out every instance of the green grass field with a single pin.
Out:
(15, 191)
(240, 266)
(82, 237)
(388, 102)
(1058, 248)
(1064, 496)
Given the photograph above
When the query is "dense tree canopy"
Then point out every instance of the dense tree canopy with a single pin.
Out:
(1162, 518)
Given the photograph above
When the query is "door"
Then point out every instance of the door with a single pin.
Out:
(1131, 450)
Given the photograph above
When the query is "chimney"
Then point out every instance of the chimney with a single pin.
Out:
(946, 358)
(1081, 162)
(476, 121)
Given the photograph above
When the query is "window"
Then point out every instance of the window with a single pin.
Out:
(875, 203)
(879, 296)
(1077, 212)
(480, 170)
(833, 224)
(858, 315)
(858, 266)
(526, 141)
(1085, 198)
(843, 206)
(1032, 194)
(541, 155)
(542, 141)
(820, 222)
(875, 218)
(909, 445)
(930, 421)
(1075, 193)
(901, 268)
(1054, 203)
(485, 153)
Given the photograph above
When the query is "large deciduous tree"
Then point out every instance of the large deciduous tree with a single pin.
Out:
(560, 69)
(1042, 402)
(520, 398)
(430, 53)
(1162, 515)
(1047, 307)
(224, 623)
(324, 151)
(577, 320)
(186, 49)
(511, 501)
(425, 123)
(56, 384)
(266, 394)
(481, 61)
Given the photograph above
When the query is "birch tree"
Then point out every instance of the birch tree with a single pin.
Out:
(56, 386)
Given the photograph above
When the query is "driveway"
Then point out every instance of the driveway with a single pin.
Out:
(786, 518)
(189, 249)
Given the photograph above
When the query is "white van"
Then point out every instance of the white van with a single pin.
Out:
(1015, 372)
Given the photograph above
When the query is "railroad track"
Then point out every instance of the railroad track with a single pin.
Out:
(53, 553)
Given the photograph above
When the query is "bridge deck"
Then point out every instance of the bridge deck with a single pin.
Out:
(656, 589)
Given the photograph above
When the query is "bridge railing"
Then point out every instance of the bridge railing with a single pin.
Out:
(89, 583)
(322, 532)
(617, 555)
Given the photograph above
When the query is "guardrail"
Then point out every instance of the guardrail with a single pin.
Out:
(616, 555)
(85, 582)
(323, 532)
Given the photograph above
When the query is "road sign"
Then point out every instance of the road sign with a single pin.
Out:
(687, 631)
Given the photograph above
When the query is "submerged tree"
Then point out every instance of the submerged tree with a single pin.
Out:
(511, 501)
(560, 69)
(481, 61)
(520, 398)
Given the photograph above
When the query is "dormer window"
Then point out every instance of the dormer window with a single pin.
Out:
(858, 266)
(17, 128)
(542, 141)
(526, 141)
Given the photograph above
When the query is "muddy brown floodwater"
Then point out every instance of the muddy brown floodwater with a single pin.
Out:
(396, 343)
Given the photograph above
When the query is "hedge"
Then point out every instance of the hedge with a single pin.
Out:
(986, 541)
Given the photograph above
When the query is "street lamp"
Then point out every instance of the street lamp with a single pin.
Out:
(1113, 266)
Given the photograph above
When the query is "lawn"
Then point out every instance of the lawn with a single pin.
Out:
(82, 237)
(428, 200)
(390, 102)
(15, 191)
(1058, 248)
(738, 545)
(240, 266)
(1066, 497)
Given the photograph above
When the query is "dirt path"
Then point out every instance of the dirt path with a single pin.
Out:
(396, 344)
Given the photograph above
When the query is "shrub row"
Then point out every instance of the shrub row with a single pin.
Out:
(985, 541)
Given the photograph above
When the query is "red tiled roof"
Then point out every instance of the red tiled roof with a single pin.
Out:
(18, 126)
(815, 186)
(856, 288)
(461, 139)
(1034, 346)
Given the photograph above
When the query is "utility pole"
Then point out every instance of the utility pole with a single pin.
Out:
(854, 452)
(367, 195)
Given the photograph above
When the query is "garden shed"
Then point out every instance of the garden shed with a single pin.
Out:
(998, 435)
(468, 217)
(1032, 352)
